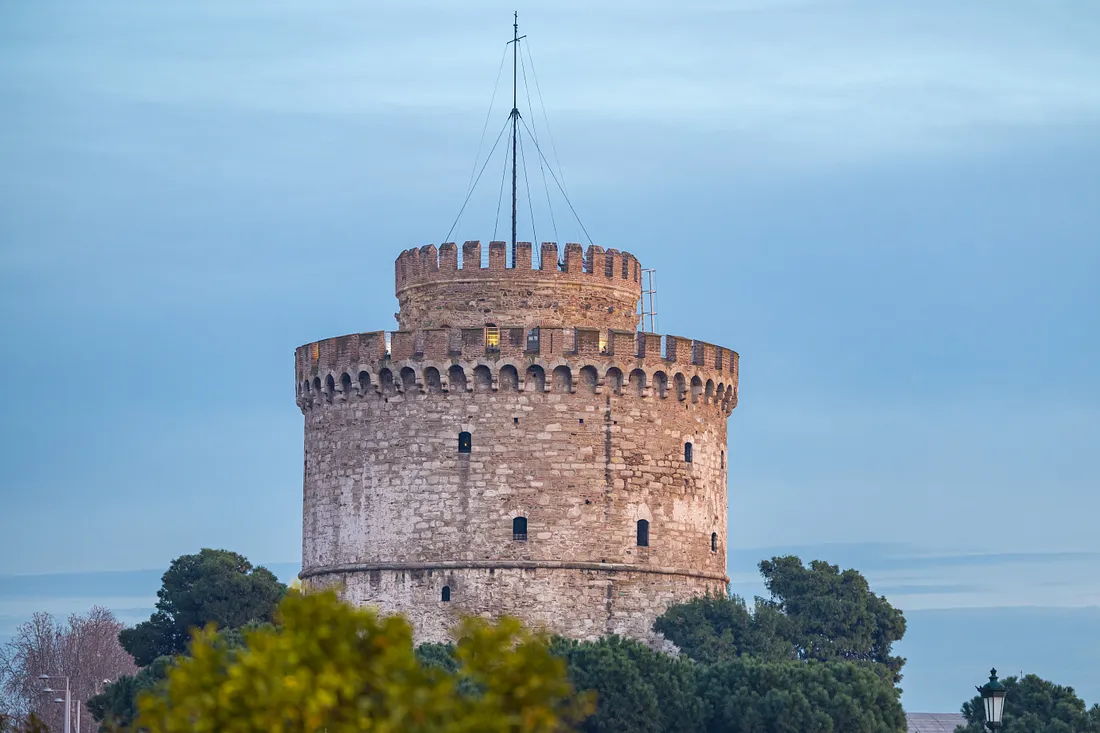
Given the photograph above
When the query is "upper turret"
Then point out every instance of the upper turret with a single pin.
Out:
(596, 288)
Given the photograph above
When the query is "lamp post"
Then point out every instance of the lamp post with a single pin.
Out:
(67, 700)
(993, 697)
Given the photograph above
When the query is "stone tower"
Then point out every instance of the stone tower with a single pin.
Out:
(517, 447)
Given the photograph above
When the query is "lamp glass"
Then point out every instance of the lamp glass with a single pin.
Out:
(994, 707)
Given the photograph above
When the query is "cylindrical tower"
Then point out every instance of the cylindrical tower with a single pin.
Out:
(517, 448)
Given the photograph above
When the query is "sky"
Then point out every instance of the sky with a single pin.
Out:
(889, 209)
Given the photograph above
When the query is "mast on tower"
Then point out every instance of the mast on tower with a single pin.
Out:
(516, 38)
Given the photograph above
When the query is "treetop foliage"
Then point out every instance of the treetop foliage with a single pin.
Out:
(640, 690)
(332, 667)
(834, 614)
(116, 706)
(212, 586)
(814, 613)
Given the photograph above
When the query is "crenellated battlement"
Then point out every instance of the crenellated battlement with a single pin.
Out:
(540, 359)
(431, 264)
(593, 286)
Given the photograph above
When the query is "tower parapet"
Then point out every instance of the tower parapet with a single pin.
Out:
(615, 362)
(591, 287)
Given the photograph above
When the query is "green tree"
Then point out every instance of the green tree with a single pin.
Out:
(712, 628)
(814, 613)
(752, 696)
(331, 667)
(116, 707)
(833, 615)
(213, 586)
(1034, 705)
(638, 690)
(438, 655)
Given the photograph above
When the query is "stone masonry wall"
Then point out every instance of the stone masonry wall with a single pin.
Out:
(595, 288)
(393, 511)
(579, 603)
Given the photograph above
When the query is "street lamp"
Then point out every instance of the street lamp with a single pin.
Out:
(993, 697)
(67, 700)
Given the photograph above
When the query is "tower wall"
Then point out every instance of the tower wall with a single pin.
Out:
(595, 287)
(581, 431)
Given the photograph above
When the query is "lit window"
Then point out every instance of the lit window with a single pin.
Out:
(643, 533)
(465, 442)
(492, 338)
(519, 529)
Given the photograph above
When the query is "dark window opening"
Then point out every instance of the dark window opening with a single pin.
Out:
(446, 593)
(643, 533)
(688, 452)
(714, 542)
(723, 460)
(519, 529)
(465, 442)
(515, 421)
(582, 421)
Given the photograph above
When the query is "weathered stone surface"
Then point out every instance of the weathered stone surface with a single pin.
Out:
(576, 436)
(596, 288)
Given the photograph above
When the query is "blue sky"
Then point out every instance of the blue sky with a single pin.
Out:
(890, 209)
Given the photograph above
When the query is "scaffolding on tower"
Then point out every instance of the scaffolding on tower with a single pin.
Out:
(648, 304)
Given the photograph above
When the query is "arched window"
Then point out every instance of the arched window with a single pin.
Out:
(519, 529)
(446, 593)
(714, 542)
(688, 453)
(643, 533)
(465, 442)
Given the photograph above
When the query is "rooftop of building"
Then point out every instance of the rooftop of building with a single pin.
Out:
(933, 722)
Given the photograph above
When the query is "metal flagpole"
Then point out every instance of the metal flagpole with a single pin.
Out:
(516, 38)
